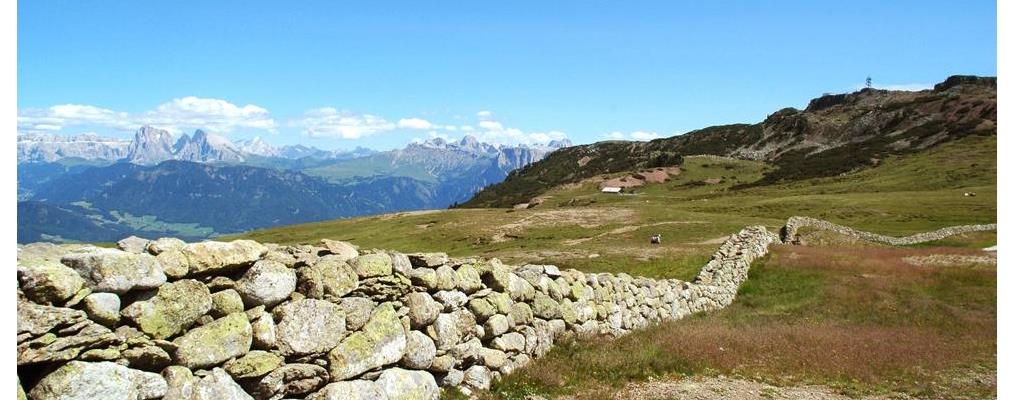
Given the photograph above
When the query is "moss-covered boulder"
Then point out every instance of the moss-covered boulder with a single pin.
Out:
(214, 343)
(226, 302)
(48, 281)
(209, 257)
(308, 326)
(350, 390)
(78, 380)
(266, 283)
(372, 265)
(380, 342)
(174, 308)
(254, 364)
(401, 384)
(329, 278)
(109, 270)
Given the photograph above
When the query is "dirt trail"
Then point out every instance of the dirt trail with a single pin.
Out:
(715, 388)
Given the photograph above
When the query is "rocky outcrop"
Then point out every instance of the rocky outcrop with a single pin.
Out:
(244, 320)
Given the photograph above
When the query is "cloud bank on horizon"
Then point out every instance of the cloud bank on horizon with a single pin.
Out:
(223, 117)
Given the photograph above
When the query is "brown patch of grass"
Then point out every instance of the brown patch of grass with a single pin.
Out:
(860, 320)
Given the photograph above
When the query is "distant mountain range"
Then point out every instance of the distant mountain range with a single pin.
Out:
(87, 188)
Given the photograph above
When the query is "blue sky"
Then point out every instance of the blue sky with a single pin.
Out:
(340, 75)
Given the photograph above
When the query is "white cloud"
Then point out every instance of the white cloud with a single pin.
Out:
(414, 123)
(636, 135)
(492, 131)
(491, 125)
(214, 114)
(330, 122)
(187, 112)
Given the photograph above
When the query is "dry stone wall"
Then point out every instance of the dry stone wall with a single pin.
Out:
(793, 225)
(170, 320)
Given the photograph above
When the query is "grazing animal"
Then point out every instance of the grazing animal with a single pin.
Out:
(657, 238)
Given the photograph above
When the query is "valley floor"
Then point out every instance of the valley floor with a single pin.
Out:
(835, 317)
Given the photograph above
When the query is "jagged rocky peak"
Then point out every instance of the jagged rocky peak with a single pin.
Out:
(150, 146)
(257, 146)
(208, 147)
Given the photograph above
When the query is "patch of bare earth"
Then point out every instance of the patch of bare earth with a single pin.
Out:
(715, 388)
(640, 178)
(585, 218)
(626, 229)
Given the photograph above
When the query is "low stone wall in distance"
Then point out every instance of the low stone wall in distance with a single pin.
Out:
(789, 232)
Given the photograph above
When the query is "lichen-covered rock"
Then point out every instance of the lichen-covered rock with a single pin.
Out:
(451, 299)
(342, 250)
(174, 263)
(493, 359)
(266, 283)
(174, 308)
(161, 245)
(48, 334)
(78, 380)
(477, 376)
(380, 342)
(482, 309)
(103, 308)
(254, 364)
(218, 385)
(48, 281)
(423, 310)
(419, 351)
(308, 326)
(264, 330)
(468, 279)
(350, 390)
(446, 277)
(428, 260)
(371, 265)
(330, 277)
(444, 331)
(452, 378)
(133, 244)
(357, 311)
(181, 383)
(521, 313)
(226, 302)
(292, 380)
(215, 342)
(400, 262)
(496, 325)
(108, 270)
(544, 307)
(509, 342)
(148, 358)
(211, 257)
(400, 384)
(423, 277)
(519, 289)
(500, 300)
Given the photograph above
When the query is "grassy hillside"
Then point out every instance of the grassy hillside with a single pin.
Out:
(835, 134)
(579, 227)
